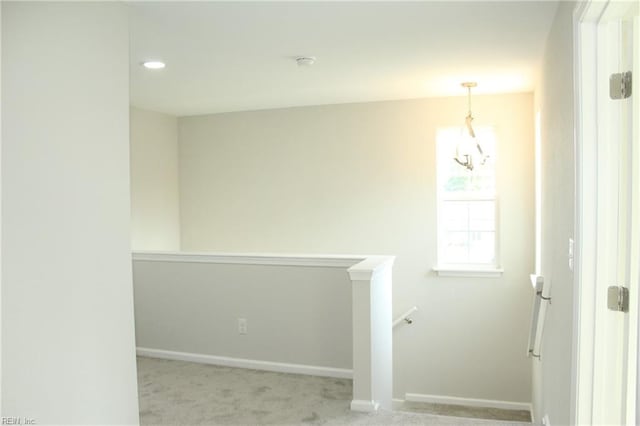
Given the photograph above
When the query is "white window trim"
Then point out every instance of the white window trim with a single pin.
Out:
(468, 271)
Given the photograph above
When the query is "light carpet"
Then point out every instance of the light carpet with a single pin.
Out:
(184, 393)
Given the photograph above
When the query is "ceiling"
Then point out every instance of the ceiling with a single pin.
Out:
(235, 56)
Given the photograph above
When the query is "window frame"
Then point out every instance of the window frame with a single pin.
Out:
(466, 269)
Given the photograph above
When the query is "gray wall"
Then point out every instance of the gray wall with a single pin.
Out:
(552, 375)
(297, 315)
(67, 310)
(360, 178)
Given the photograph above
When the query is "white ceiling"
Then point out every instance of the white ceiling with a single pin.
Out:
(234, 56)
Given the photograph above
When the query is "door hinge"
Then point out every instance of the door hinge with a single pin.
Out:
(620, 85)
(618, 298)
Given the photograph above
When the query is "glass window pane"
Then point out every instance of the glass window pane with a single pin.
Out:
(455, 247)
(482, 216)
(454, 215)
(482, 247)
(466, 198)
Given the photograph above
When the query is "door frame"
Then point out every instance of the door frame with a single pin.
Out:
(586, 19)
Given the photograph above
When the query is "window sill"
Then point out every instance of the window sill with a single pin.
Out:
(470, 272)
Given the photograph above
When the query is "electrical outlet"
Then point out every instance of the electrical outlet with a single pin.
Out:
(242, 325)
(545, 420)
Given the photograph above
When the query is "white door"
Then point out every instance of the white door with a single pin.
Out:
(608, 214)
(618, 218)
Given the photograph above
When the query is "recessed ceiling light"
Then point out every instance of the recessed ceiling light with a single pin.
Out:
(153, 65)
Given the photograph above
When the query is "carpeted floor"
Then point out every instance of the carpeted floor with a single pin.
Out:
(184, 393)
(464, 411)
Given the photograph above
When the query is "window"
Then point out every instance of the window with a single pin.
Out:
(467, 207)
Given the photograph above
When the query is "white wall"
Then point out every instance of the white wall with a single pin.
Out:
(296, 315)
(155, 210)
(1, 207)
(554, 99)
(360, 178)
(67, 310)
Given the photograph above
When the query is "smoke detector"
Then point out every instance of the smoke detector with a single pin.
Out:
(305, 61)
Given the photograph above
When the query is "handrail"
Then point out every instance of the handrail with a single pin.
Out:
(405, 317)
(541, 300)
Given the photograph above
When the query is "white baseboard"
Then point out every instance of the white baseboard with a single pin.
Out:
(253, 364)
(364, 406)
(396, 403)
(469, 402)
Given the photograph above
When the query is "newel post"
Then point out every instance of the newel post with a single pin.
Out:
(372, 333)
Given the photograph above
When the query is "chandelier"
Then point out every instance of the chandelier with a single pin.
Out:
(468, 151)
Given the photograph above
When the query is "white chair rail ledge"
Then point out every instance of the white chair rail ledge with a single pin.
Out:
(371, 279)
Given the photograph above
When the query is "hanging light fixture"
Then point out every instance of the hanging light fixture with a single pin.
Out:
(469, 150)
